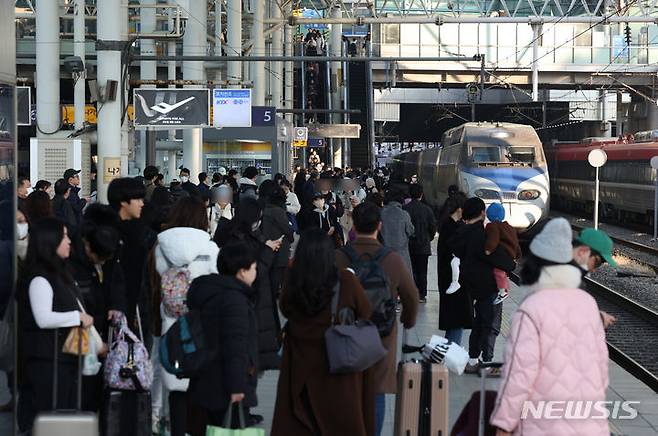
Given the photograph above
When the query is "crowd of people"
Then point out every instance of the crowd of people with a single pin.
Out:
(261, 263)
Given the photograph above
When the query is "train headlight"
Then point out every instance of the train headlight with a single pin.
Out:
(487, 194)
(529, 194)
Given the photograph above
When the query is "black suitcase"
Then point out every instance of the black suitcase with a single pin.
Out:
(126, 413)
(66, 422)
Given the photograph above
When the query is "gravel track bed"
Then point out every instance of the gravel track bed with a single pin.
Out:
(634, 336)
(643, 290)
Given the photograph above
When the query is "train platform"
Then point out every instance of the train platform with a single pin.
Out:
(623, 386)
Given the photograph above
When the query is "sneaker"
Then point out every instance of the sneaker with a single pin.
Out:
(500, 298)
(155, 425)
(454, 287)
(253, 419)
(472, 369)
(423, 300)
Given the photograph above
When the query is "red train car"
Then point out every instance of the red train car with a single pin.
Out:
(627, 179)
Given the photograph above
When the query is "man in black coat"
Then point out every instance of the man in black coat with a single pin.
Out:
(476, 277)
(126, 197)
(72, 177)
(228, 313)
(189, 187)
(422, 217)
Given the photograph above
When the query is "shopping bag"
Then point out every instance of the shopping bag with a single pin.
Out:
(227, 430)
(441, 350)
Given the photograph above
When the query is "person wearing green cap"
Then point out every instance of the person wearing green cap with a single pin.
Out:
(591, 249)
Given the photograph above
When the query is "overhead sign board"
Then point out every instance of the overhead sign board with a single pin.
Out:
(335, 130)
(316, 142)
(166, 107)
(231, 108)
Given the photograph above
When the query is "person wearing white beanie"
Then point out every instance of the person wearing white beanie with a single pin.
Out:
(556, 349)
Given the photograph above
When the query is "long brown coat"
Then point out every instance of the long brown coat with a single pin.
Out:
(309, 400)
(402, 284)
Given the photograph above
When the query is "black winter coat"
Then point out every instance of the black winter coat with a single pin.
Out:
(424, 223)
(137, 239)
(99, 295)
(455, 310)
(77, 203)
(269, 324)
(476, 268)
(228, 314)
(63, 210)
(275, 224)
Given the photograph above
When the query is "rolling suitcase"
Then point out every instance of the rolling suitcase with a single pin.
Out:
(66, 422)
(474, 418)
(127, 413)
(421, 407)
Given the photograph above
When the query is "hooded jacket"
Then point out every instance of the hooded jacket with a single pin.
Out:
(247, 188)
(190, 248)
(228, 315)
(556, 351)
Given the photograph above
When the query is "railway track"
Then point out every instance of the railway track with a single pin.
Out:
(625, 242)
(633, 340)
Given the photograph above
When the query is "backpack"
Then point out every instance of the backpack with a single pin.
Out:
(174, 284)
(184, 349)
(245, 191)
(374, 280)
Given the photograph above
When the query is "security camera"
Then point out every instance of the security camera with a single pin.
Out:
(74, 65)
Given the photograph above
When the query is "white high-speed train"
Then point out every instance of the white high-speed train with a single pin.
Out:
(498, 162)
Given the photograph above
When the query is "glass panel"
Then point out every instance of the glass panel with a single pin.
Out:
(7, 192)
(429, 34)
(391, 33)
(521, 154)
(409, 34)
(485, 154)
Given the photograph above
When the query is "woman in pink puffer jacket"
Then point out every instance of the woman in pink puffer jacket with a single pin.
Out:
(556, 350)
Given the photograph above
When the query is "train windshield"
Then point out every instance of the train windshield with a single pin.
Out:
(521, 154)
(485, 154)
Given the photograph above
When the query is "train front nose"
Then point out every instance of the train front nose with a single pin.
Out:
(522, 216)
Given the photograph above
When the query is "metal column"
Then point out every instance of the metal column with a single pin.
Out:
(276, 68)
(194, 43)
(147, 71)
(289, 85)
(536, 29)
(79, 51)
(346, 152)
(47, 71)
(234, 39)
(371, 107)
(336, 50)
(258, 49)
(109, 68)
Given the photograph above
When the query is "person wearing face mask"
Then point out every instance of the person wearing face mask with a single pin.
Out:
(556, 349)
(322, 216)
(591, 249)
(22, 229)
(22, 190)
(245, 227)
(187, 185)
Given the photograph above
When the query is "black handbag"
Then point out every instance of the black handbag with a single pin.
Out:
(352, 345)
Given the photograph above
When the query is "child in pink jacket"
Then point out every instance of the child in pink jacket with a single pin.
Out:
(556, 350)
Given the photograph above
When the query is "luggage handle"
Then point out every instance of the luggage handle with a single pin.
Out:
(228, 417)
(56, 372)
(408, 348)
(483, 388)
